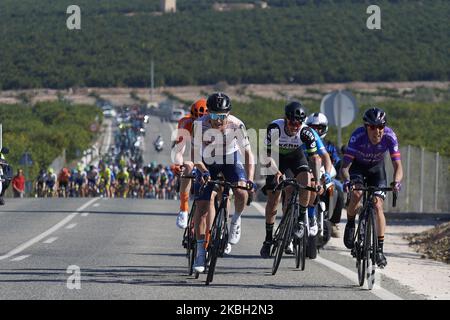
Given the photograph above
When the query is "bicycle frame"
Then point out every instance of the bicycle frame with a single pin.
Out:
(366, 238)
(285, 231)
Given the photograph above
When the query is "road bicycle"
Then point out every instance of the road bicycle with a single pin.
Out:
(218, 235)
(292, 227)
(366, 238)
(189, 241)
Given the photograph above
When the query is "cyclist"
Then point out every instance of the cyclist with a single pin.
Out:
(40, 183)
(220, 145)
(92, 177)
(319, 122)
(292, 134)
(63, 182)
(198, 110)
(123, 178)
(364, 159)
(50, 182)
(105, 174)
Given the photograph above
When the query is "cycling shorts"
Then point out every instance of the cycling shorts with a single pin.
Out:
(296, 162)
(374, 175)
(231, 172)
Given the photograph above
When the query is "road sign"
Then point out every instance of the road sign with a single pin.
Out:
(26, 159)
(340, 108)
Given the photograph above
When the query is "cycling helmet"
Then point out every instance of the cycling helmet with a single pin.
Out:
(375, 116)
(50, 170)
(319, 122)
(199, 108)
(218, 102)
(295, 111)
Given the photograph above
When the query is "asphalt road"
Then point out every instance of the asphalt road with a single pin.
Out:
(154, 128)
(131, 249)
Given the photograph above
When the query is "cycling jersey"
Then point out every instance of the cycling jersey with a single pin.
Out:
(292, 149)
(106, 175)
(185, 123)
(289, 144)
(123, 177)
(211, 144)
(361, 150)
(321, 150)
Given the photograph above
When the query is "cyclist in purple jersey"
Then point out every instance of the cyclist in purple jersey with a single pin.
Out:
(364, 159)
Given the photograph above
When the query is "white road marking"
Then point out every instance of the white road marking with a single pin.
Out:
(71, 226)
(85, 214)
(50, 240)
(353, 276)
(20, 258)
(45, 234)
(377, 290)
(96, 205)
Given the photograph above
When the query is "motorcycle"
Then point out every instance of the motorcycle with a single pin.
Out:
(159, 145)
(6, 174)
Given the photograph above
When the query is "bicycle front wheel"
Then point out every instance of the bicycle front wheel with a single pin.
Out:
(282, 239)
(217, 235)
(371, 250)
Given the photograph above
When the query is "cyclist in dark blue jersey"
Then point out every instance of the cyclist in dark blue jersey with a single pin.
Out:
(319, 122)
(364, 159)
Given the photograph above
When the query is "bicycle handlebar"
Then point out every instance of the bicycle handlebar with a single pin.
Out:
(373, 189)
(294, 183)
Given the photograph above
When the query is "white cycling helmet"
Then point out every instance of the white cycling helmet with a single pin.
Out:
(319, 122)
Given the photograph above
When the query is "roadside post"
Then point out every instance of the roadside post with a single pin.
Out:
(26, 161)
(340, 108)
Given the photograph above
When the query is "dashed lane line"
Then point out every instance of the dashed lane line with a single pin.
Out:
(50, 240)
(46, 233)
(20, 258)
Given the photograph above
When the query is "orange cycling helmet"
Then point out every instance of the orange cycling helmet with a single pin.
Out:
(199, 108)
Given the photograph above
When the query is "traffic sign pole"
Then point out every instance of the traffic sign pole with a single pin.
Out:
(339, 118)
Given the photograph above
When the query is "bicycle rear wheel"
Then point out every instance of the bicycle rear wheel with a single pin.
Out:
(283, 236)
(217, 235)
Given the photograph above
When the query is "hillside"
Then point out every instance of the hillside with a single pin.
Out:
(296, 42)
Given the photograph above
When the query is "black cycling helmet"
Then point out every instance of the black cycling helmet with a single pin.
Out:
(375, 116)
(295, 111)
(218, 102)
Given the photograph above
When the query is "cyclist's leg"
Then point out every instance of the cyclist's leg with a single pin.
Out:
(377, 177)
(202, 225)
(357, 175)
(236, 173)
(185, 186)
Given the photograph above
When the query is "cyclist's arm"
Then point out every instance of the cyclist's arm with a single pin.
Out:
(271, 163)
(308, 138)
(398, 170)
(249, 164)
(244, 145)
(395, 156)
(345, 174)
(326, 160)
(182, 138)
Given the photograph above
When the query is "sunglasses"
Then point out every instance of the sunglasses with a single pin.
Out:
(218, 116)
(373, 127)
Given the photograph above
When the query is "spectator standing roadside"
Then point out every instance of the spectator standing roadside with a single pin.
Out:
(18, 184)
